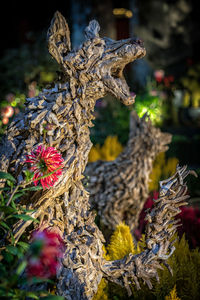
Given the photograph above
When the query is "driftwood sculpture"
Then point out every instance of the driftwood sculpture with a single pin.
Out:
(118, 189)
(90, 72)
(159, 232)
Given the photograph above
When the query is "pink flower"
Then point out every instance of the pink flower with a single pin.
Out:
(159, 75)
(47, 249)
(44, 161)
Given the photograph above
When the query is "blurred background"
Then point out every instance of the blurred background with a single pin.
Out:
(166, 81)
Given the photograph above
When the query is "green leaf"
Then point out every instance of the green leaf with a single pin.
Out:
(32, 295)
(7, 209)
(4, 189)
(8, 256)
(2, 199)
(21, 267)
(7, 176)
(32, 188)
(29, 175)
(10, 184)
(12, 249)
(28, 210)
(3, 224)
(24, 245)
(13, 204)
(12, 238)
(17, 195)
(25, 217)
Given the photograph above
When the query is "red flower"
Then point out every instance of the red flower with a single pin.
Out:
(44, 161)
(47, 249)
(159, 75)
(168, 80)
(190, 225)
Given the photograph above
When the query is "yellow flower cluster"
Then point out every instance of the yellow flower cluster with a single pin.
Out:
(162, 169)
(173, 295)
(185, 264)
(121, 243)
(102, 293)
(192, 86)
(109, 151)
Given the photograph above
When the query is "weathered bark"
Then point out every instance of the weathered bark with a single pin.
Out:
(92, 71)
(118, 189)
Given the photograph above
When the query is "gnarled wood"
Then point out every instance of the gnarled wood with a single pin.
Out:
(159, 232)
(118, 189)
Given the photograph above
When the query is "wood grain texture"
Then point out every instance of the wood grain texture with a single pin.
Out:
(91, 71)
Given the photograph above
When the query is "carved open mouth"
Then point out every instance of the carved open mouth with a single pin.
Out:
(123, 52)
(122, 89)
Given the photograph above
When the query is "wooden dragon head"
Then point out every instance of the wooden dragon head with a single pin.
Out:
(97, 64)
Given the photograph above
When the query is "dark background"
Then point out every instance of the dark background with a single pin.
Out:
(18, 18)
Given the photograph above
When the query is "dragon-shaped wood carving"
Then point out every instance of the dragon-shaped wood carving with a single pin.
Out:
(118, 189)
(90, 72)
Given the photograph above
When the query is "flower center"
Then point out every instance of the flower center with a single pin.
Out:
(42, 165)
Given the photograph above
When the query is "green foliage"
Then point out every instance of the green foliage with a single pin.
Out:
(185, 264)
(13, 255)
(30, 62)
(172, 295)
(153, 105)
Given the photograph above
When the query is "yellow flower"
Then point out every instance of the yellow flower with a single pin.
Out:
(109, 151)
(121, 243)
(102, 293)
(94, 154)
(173, 295)
(162, 169)
(111, 148)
